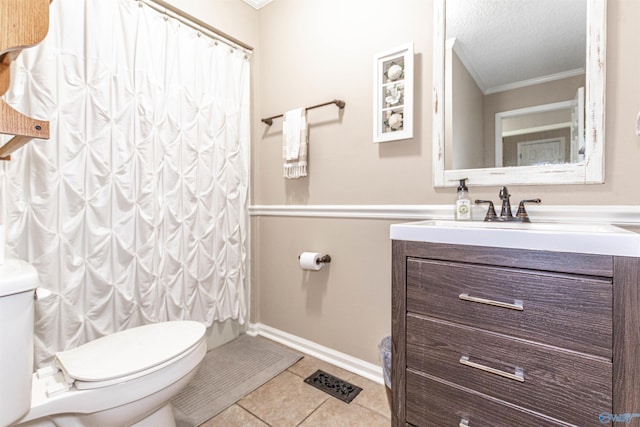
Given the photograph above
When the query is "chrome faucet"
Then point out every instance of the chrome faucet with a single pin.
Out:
(505, 211)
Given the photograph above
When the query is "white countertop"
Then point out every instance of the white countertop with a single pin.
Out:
(603, 239)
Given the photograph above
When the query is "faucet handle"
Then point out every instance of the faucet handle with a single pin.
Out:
(491, 212)
(522, 213)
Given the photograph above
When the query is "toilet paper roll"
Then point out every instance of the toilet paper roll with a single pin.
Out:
(311, 261)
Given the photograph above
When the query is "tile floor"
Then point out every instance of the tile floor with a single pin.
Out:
(287, 401)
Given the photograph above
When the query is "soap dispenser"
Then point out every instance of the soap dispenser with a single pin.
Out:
(463, 203)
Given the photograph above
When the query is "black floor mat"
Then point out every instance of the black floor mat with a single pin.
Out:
(333, 386)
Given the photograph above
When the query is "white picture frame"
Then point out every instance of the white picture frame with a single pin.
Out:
(393, 94)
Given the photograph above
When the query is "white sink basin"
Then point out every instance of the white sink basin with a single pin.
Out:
(604, 239)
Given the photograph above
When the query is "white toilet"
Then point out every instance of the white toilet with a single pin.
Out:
(124, 379)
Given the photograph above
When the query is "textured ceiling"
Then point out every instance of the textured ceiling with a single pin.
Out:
(509, 41)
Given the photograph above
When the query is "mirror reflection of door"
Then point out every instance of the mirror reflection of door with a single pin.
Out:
(543, 152)
(541, 124)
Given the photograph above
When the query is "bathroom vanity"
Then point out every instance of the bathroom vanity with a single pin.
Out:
(515, 324)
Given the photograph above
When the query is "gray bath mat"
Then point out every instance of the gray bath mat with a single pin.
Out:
(227, 374)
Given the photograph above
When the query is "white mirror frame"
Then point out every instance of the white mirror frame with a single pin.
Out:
(591, 171)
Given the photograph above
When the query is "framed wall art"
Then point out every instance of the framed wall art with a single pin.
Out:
(393, 94)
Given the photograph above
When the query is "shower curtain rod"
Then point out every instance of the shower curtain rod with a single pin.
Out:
(196, 24)
(339, 103)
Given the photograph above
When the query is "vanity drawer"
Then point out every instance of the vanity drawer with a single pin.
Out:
(569, 311)
(431, 403)
(560, 384)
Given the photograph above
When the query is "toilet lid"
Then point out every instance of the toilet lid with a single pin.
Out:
(130, 351)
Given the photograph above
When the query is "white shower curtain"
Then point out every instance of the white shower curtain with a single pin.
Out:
(135, 210)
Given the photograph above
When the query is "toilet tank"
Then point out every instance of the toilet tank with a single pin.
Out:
(18, 280)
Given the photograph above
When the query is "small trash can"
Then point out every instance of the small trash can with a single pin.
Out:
(385, 357)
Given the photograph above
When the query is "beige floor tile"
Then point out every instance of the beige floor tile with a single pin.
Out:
(287, 401)
(334, 413)
(234, 416)
(308, 365)
(373, 395)
(284, 401)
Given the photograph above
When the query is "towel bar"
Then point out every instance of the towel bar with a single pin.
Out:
(339, 103)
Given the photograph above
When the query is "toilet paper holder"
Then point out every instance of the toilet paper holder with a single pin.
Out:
(325, 259)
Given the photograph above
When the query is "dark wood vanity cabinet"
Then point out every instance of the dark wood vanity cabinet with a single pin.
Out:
(501, 337)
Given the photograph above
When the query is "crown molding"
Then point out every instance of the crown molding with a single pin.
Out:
(257, 4)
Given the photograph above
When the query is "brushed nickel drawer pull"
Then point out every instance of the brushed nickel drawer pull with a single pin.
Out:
(517, 304)
(518, 375)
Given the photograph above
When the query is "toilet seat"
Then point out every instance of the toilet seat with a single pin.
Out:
(112, 405)
(128, 354)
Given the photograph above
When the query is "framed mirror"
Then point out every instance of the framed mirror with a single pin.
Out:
(518, 92)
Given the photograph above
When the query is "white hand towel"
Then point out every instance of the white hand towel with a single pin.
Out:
(291, 132)
(294, 143)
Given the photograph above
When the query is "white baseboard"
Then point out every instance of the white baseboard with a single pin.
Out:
(341, 360)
